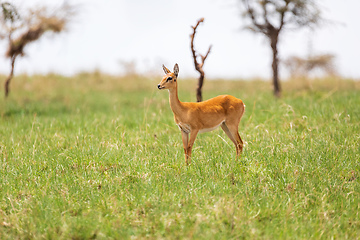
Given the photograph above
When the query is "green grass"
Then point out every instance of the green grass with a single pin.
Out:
(100, 157)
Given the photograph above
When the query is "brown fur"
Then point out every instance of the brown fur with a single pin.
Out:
(224, 110)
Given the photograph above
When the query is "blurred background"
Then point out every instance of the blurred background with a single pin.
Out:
(122, 36)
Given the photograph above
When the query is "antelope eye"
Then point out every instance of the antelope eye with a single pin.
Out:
(169, 79)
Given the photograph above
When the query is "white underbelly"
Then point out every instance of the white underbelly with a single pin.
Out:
(210, 129)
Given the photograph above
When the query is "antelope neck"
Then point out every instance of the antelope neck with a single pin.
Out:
(175, 104)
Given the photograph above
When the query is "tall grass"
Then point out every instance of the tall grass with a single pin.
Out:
(96, 156)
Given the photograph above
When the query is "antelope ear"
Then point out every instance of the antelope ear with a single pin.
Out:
(165, 69)
(176, 69)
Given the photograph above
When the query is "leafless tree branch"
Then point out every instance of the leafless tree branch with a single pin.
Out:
(198, 66)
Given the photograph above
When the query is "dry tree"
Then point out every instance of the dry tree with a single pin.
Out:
(271, 17)
(9, 20)
(29, 29)
(198, 66)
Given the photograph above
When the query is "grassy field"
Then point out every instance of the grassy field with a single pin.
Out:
(99, 157)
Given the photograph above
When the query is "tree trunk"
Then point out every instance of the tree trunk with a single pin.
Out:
(275, 65)
(199, 88)
(7, 82)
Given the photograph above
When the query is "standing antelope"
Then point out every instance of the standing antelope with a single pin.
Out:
(224, 110)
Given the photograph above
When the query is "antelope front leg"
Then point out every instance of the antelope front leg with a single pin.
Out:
(185, 140)
(193, 135)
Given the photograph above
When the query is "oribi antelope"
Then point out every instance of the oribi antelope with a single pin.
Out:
(197, 117)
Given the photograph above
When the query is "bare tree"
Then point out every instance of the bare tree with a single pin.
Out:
(28, 29)
(270, 17)
(198, 66)
(9, 18)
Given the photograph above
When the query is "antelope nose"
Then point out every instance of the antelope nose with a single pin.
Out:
(159, 86)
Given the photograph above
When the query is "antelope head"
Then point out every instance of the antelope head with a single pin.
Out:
(169, 79)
